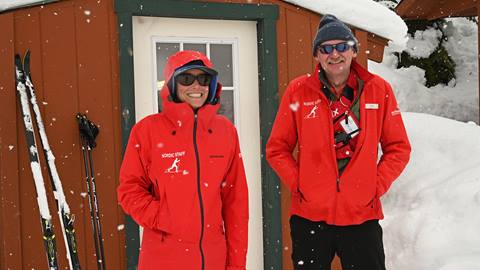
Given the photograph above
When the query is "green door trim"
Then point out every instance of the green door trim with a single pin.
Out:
(266, 17)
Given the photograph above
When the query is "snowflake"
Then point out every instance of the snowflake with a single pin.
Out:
(294, 106)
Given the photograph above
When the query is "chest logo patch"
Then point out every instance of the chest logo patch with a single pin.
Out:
(175, 166)
(313, 111)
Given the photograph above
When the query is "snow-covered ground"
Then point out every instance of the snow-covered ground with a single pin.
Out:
(431, 211)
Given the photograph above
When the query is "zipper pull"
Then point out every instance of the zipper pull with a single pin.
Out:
(338, 184)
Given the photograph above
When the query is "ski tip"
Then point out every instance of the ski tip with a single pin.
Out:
(18, 61)
(26, 63)
(19, 76)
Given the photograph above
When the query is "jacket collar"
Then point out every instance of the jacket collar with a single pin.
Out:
(182, 115)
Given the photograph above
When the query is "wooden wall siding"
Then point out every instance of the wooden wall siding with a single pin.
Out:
(376, 46)
(74, 63)
(434, 9)
(362, 57)
(9, 194)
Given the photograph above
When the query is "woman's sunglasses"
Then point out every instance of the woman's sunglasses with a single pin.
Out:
(187, 79)
(340, 47)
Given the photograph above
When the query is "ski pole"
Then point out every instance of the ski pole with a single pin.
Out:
(88, 133)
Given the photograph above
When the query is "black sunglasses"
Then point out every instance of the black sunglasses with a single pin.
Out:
(340, 47)
(187, 79)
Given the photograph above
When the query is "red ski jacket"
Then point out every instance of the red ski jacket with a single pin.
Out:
(319, 193)
(183, 180)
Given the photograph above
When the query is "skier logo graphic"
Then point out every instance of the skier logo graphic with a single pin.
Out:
(174, 166)
(313, 112)
(176, 157)
(335, 112)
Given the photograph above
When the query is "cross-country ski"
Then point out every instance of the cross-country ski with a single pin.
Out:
(27, 93)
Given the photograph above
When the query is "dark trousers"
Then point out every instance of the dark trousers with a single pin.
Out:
(360, 247)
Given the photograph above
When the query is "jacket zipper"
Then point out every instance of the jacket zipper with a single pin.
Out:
(333, 155)
(357, 99)
(199, 191)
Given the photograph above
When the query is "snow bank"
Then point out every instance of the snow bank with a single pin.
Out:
(431, 211)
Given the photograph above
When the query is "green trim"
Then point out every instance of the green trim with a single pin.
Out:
(268, 96)
(197, 10)
(127, 99)
(266, 16)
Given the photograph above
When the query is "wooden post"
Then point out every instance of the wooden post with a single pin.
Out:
(362, 57)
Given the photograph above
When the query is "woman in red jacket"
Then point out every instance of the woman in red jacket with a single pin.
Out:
(182, 177)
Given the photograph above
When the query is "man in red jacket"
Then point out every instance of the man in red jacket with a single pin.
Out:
(182, 176)
(338, 117)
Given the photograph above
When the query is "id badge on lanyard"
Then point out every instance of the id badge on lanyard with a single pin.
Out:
(350, 125)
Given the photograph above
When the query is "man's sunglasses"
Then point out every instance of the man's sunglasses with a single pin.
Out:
(340, 47)
(187, 79)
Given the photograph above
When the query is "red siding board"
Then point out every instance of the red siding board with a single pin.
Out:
(10, 230)
(74, 63)
(95, 98)
(299, 44)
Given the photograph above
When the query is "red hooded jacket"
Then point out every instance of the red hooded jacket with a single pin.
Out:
(183, 180)
(319, 193)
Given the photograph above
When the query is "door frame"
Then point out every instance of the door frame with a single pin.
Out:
(266, 17)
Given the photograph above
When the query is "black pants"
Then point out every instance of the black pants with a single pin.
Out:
(360, 247)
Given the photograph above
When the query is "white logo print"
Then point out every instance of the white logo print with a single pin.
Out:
(313, 112)
(335, 112)
(174, 166)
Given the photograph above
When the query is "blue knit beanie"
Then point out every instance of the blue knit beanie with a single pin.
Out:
(331, 28)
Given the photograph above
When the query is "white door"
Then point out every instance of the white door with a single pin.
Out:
(232, 47)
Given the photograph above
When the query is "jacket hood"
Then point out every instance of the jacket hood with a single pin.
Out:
(182, 111)
(185, 60)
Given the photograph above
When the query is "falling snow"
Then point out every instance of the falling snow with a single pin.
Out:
(294, 106)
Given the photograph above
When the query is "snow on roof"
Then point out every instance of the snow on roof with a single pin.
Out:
(14, 4)
(364, 14)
